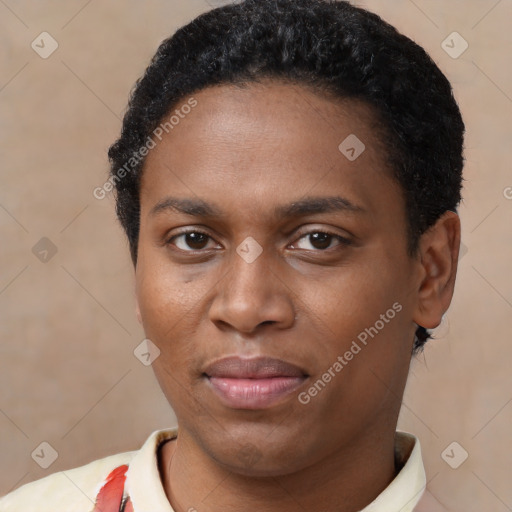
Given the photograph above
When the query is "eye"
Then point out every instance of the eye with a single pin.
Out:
(188, 241)
(196, 240)
(321, 240)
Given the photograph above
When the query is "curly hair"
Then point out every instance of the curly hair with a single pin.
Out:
(332, 46)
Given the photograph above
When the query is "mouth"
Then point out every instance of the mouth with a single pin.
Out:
(254, 383)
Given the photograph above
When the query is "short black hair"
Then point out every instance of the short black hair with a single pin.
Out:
(328, 44)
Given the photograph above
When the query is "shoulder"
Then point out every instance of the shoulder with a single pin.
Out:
(72, 490)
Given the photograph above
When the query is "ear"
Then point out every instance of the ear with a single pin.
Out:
(137, 310)
(438, 259)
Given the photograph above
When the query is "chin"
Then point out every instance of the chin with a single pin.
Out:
(266, 466)
(257, 457)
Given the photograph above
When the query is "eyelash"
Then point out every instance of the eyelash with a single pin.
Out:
(343, 241)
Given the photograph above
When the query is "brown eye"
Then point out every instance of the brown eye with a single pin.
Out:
(190, 240)
(194, 240)
(320, 240)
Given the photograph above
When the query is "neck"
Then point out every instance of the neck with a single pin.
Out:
(347, 481)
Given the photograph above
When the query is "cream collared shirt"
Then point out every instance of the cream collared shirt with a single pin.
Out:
(75, 490)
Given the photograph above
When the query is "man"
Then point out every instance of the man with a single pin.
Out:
(287, 175)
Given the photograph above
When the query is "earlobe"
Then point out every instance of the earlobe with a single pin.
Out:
(439, 250)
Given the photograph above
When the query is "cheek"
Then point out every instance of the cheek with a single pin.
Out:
(365, 321)
(354, 298)
(167, 310)
(164, 292)
(166, 305)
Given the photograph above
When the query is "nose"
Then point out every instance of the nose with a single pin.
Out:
(252, 294)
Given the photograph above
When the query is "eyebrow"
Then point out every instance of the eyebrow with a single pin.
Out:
(305, 206)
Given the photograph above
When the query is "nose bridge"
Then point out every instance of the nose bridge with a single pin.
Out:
(249, 267)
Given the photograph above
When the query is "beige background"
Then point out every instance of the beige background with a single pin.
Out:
(68, 375)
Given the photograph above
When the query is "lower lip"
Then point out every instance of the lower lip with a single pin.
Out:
(254, 393)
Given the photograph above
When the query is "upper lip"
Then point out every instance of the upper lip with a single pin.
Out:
(236, 367)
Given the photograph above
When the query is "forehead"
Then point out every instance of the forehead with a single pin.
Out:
(268, 141)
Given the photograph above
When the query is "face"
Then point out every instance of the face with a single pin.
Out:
(259, 237)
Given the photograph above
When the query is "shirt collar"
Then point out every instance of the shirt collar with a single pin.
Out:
(145, 488)
(405, 491)
(143, 482)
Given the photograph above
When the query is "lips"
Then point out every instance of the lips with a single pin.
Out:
(255, 383)
(255, 368)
